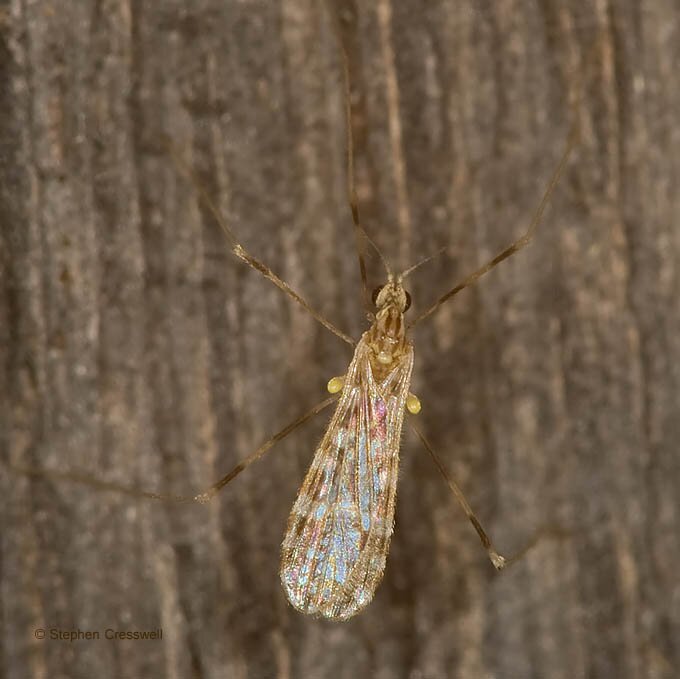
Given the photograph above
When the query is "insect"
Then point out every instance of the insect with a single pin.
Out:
(337, 539)
(338, 534)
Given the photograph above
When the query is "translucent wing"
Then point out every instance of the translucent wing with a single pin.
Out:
(339, 529)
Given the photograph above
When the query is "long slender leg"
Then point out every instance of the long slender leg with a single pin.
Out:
(203, 497)
(497, 560)
(521, 242)
(245, 256)
(216, 487)
(351, 180)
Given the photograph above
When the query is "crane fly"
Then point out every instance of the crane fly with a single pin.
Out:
(339, 530)
(336, 543)
(338, 534)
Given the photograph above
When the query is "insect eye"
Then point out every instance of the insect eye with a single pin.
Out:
(408, 301)
(375, 294)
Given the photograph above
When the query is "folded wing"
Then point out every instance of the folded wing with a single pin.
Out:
(334, 551)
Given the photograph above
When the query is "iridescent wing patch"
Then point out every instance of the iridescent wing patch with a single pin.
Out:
(339, 530)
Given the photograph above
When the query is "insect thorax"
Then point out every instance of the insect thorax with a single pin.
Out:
(387, 339)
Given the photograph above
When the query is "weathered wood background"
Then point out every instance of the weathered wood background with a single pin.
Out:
(137, 350)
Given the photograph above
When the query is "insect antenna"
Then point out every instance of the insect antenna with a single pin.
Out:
(429, 258)
(388, 269)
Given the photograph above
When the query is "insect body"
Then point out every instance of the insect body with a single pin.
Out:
(339, 529)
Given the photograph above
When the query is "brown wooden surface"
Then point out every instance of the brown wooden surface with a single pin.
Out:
(136, 349)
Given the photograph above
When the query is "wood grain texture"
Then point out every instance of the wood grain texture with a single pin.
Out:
(136, 349)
